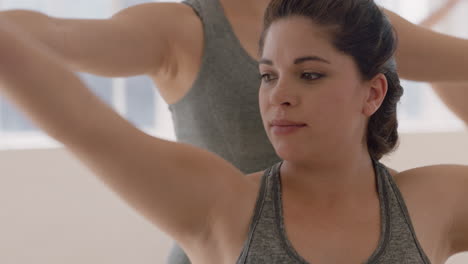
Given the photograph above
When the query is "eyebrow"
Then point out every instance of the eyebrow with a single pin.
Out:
(298, 60)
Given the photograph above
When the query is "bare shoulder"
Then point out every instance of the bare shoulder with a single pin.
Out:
(153, 12)
(434, 182)
(435, 174)
(256, 177)
(233, 219)
(436, 200)
(179, 28)
(171, 19)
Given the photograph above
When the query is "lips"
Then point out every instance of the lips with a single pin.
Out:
(286, 123)
(285, 127)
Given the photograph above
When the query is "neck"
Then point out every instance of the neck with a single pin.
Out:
(346, 177)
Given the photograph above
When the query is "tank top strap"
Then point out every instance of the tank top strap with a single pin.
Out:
(215, 23)
(398, 203)
(195, 5)
(218, 31)
(264, 199)
(211, 14)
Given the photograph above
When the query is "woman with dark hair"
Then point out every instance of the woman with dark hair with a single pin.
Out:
(328, 102)
(202, 56)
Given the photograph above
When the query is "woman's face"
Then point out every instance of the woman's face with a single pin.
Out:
(313, 100)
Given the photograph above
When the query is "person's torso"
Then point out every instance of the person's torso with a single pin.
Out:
(355, 239)
(220, 111)
(193, 59)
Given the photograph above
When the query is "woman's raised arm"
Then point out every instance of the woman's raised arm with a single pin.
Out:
(176, 186)
(137, 40)
(425, 55)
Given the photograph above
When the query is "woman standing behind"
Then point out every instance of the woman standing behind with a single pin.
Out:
(328, 102)
(202, 55)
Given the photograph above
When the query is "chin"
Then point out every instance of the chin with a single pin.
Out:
(290, 153)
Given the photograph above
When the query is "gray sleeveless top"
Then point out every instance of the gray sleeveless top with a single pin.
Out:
(220, 113)
(267, 241)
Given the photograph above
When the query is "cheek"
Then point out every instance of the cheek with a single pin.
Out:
(262, 101)
(347, 98)
(348, 109)
(335, 102)
(335, 109)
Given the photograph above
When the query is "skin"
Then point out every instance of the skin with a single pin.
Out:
(210, 221)
(453, 94)
(447, 92)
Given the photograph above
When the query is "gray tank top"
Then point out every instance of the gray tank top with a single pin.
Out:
(220, 113)
(267, 241)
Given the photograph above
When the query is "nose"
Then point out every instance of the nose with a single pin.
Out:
(283, 95)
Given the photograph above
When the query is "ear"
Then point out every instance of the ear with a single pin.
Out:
(376, 92)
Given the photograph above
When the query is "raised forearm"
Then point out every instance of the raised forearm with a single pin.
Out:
(34, 78)
(455, 96)
(424, 55)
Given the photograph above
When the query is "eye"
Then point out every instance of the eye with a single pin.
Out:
(267, 77)
(311, 76)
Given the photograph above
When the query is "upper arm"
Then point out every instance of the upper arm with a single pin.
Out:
(457, 185)
(443, 196)
(436, 200)
(441, 58)
(137, 40)
(177, 187)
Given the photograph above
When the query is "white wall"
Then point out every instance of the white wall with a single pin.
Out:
(53, 211)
